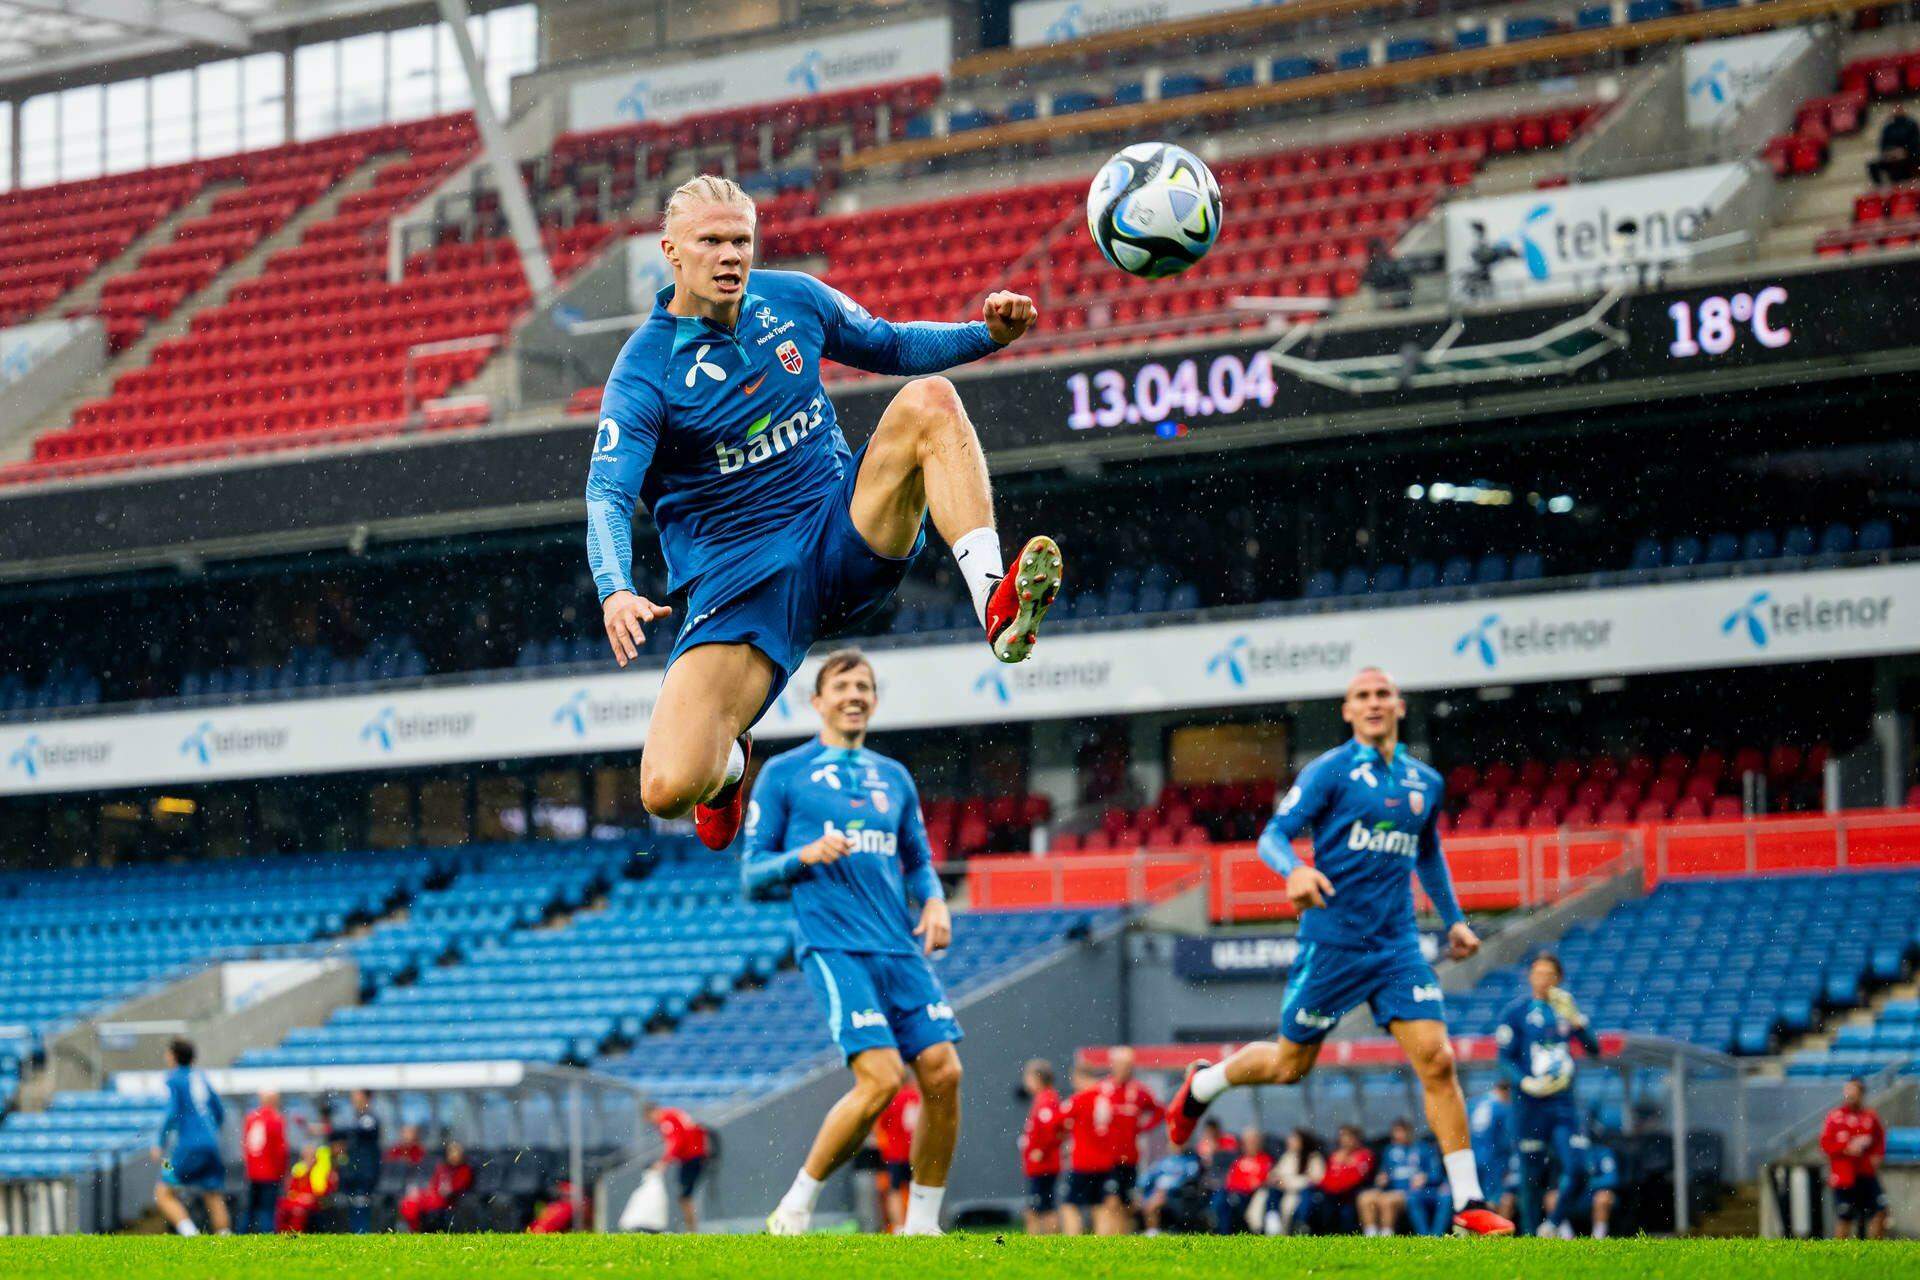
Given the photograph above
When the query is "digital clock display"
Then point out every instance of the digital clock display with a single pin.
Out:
(1160, 394)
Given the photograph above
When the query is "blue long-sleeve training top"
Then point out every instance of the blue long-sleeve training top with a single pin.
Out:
(1372, 820)
(727, 435)
(866, 900)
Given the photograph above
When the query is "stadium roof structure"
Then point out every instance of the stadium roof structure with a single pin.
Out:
(39, 38)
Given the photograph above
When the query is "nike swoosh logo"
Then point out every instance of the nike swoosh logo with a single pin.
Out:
(753, 386)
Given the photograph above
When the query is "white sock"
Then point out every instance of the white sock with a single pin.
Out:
(981, 564)
(802, 1195)
(1209, 1082)
(225, 1231)
(923, 1207)
(1463, 1175)
(1599, 1231)
(736, 763)
(186, 1227)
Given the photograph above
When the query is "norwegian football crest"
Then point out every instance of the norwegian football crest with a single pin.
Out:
(880, 801)
(1417, 803)
(790, 358)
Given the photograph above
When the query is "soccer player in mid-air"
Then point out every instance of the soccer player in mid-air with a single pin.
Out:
(715, 418)
(1371, 808)
(839, 828)
(1534, 1035)
(192, 1126)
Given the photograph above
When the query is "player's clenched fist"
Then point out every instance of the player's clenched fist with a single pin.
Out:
(1307, 888)
(1008, 315)
(626, 615)
(830, 847)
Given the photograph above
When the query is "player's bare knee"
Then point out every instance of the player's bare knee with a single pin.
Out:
(941, 1076)
(668, 793)
(1436, 1065)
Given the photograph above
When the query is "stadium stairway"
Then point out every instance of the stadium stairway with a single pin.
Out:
(19, 446)
(1814, 204)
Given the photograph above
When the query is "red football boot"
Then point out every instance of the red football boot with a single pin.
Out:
(1183, 1113)
(1478, 1220)
(1016, 606)
(718, 820)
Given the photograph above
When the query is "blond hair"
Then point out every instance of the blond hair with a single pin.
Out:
(708, 188)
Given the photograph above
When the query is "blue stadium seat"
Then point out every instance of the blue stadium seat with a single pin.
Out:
(1646, 555)
(1024, 109)
(1075, 101)
(1410, 47)
(1722, 548)
(1759, 544)
(1528, 566)
(1389, 578)
(1293, 67)
(1489, 569)
(1876, 535)
(1837, 540)
(1594, 16)
(1357, 58)
(962, 121)
(1472, 38)
(1422, 575)
(1530, 28)
(1240, 77)
(1798, 542)
(1456, 572)
(1182, 85)
(1126, 95)
(1647, 10)
(1355, 581)
(1684, 552)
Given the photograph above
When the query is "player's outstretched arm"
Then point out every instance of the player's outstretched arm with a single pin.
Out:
(922, 882)
(861, 340)
(1431, 866)
(632, 415)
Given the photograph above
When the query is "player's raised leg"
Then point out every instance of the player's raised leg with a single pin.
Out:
(877, 1076)
(696, 750)
(925, 458)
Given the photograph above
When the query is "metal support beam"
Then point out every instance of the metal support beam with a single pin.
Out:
(182, 19)
(521, 223)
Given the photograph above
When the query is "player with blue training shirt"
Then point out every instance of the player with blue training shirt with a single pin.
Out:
(1534, 1036)
(1371, 809)
(1490, 1123)
(838, 828)
(188, 1149)
(714, 418)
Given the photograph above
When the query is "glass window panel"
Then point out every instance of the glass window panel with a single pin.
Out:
(363, 81)
(263, 101)
(81, 132)
(6, 146)
(410, 82)
(512, 49)
(170, 117)
(127, 126)
(218, 108)
(39, 140)
(316, 90)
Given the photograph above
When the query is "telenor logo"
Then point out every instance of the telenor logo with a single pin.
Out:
(1242, 661)
(582, 713)
(1761, 619)
(26, 758)
(1493, 640)
(1522, 241)
(207, 742)
(1711, 83)
(389, 728)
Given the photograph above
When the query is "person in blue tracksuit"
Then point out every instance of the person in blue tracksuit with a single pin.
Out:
(715, 419)
(1491, 1124)
(1602, 1191)
(1535, 1035)
(1410, 1179)
(838, 828)
(188, 1149)
(1371, 809)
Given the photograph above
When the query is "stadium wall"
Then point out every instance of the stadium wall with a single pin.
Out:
(1073, 998)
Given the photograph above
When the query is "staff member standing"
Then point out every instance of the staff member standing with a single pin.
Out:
(356, 1143)
(1855, 1142)
(263, 1143)
(685, 1145)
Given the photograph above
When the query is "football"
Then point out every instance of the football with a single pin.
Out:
(1154, 209)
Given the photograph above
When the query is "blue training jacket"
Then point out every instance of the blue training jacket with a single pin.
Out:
(1372, 822)
(865, 901)
(727, 436)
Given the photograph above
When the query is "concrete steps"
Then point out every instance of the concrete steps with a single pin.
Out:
(216, 292)
(1823, 202)
(1817, 1041)
(86, 295)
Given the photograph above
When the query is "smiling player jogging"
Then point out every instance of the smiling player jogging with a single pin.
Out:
(1371, 808)
(715, 419)
(839, 827)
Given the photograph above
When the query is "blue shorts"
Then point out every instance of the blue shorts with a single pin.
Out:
(821, 581)
(1328, 981)
(1043, 1192)
(194, 1169)
(1547, 1125)
(879, 1001)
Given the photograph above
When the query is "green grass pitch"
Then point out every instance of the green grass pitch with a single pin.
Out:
(962, 1257)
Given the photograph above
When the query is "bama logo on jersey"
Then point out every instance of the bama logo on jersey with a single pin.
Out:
(1383, 839)
(864, 839)
(766, 438)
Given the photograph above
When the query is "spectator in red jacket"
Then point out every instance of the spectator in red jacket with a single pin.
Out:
(1135, 1111)
(1349, 1168)
(1040, 1141)
(893, 1135)
(429, 1208)
(263, 1145)
(1089, 1124)
(685, 1145)
(1855, 1141)
(409, 1151)
(310, 1184)
(556, 1215)
(1245, 1176)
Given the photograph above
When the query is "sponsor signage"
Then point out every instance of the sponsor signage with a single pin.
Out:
(672, 90)
(1037, 22)
(1725, 622)
(25, 345)
(1723, 76)
(1250, 957)
(1576, 237)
